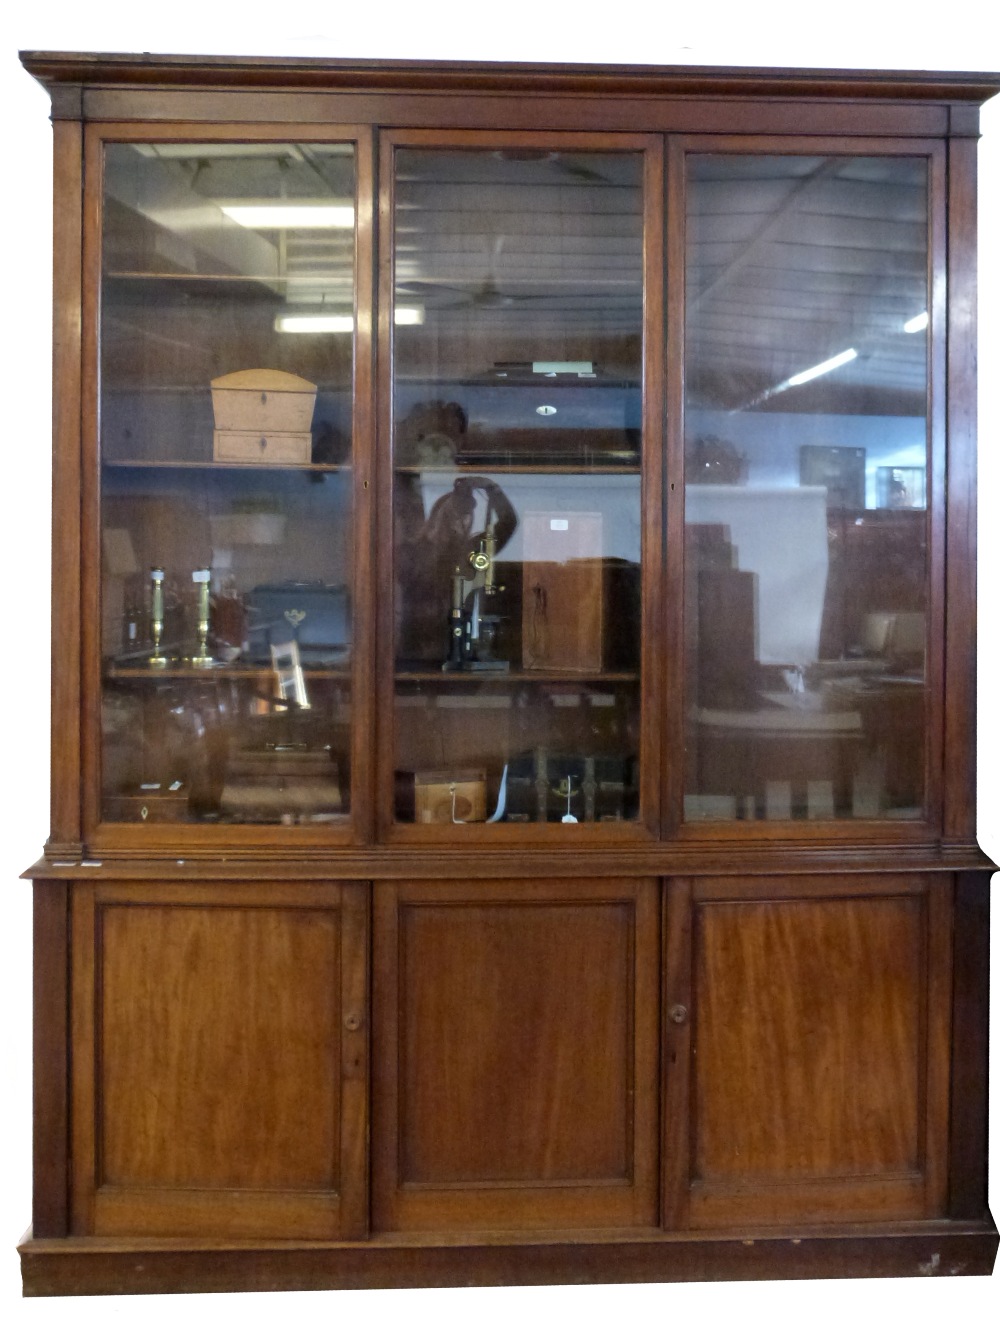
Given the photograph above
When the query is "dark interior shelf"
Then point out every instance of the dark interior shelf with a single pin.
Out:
(220, 671)
(517, 677)
(211, 465)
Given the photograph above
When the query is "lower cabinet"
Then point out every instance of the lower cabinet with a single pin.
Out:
(516, 1063)
(219, 1079)
(807, 1049)
(570, 1054)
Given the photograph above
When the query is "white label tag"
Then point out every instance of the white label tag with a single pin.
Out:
(559, 524)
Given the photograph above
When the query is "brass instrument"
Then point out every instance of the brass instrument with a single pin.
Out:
(474, 617)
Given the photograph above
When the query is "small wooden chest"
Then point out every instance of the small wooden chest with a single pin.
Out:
(262, 416)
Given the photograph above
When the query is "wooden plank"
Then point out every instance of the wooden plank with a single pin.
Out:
(960, 656)
(936, 780)
(674, 611)
(676, 1031)
(679, 115)
(89, 489)
(970, 1047)
(50, 997)
(367, 595)
(653, 625)
(107, 1268)
(355, 1047)
(67, 281)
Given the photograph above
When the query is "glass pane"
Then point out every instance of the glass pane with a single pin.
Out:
(806, 497)
(517, 433)
(226, 380)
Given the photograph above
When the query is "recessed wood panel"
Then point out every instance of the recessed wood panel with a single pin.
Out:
(815, 1048)
(838, 984)
(221, 1080)
(514, 1049)
(516, 1042)
(220, 1047)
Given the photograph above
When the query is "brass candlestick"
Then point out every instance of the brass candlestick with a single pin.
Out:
(202, 658)
(157, 659)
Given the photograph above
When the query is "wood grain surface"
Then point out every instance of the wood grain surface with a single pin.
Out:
(515, 1054)
(213, 1098)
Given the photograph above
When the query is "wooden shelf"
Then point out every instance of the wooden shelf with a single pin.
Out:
(132, 464)
(220, 671)
(135, 275)
(542, 469)
(517, 677)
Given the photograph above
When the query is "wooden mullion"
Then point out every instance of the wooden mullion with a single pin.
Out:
(89, 487)
(677, 1087)
(380, 674)
(959, 815)
(652, 686)
(673, 496)
(355, 1016)
(365, 572)
(67, 386)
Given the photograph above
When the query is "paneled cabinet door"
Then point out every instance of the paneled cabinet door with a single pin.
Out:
(806, 1049)
(220, 1078)
(515, 1055)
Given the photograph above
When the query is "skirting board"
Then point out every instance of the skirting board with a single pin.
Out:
(77, 1266)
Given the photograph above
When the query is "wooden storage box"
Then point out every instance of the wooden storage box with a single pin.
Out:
(244, 446)
(445, 798)
(562, 609)
(262, 416)
(154, 805)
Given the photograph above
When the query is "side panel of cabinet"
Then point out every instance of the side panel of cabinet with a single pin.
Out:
(516, 1055)
(807, 1049)
(220, 1071)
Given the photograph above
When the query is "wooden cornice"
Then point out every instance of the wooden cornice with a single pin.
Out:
(54, 68)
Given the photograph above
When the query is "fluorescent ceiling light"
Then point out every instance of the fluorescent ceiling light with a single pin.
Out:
(314, 323)
(562, 367)
(328, 322)
(917, 324)
(803, 377)
(291, 213)
(824, 367)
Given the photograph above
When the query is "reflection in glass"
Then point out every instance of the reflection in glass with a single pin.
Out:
(517, 441)
(225, 433)
(806, 463)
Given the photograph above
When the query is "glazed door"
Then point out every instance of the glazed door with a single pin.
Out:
(812, 393)
(219, 1079)
(806, 1047)
(226, 621)
(521, 318)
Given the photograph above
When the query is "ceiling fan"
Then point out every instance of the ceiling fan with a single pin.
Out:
(487, 294)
